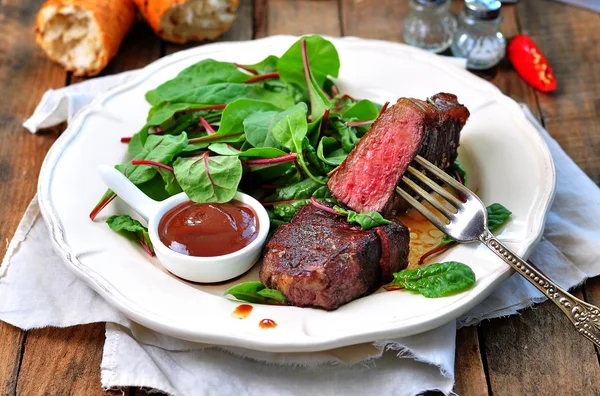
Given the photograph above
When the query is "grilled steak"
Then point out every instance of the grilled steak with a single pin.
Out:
(319, 260)
(367, 178)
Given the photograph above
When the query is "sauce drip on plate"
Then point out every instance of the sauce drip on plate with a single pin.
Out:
(208, 230)
(267, 324)
(242, 311)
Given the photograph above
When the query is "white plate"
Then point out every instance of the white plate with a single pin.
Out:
(503, 153)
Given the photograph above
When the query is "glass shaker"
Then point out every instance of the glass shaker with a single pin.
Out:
(430, 25)
(478, 38)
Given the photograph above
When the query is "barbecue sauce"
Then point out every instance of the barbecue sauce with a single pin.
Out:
(242, 311)
(208, 230)
(267, 324)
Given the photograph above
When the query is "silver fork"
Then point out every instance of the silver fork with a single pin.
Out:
(467, 222)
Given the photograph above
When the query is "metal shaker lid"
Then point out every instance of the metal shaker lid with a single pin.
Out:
(431, 3)
(483, 9)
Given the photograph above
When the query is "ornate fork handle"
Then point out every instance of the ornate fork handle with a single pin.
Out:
(585, 317)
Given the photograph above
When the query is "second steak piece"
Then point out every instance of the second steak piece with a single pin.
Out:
(319, 260)
(367, 178)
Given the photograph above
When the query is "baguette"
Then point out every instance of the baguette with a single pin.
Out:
(180, 21)
(83, 35)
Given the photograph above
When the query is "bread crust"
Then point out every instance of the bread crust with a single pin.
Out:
(114, 19)
(156, 14)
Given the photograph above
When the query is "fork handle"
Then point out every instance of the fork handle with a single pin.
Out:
(585, 317)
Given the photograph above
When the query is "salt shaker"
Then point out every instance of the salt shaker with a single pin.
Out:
(430, 25)
(478, 38)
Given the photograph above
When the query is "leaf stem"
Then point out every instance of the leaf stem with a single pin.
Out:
(323, 123)
(206, 126)
(383, 109)
(359, 123)
(266, 76)
(319, 205)
(251, 71)
(436, 250)
(126, 139)
(152, 163)
(212, 137)
(306, 67)
(101, 205)
(214, 107)
(275, 160)
(289, 201)
(340, 100)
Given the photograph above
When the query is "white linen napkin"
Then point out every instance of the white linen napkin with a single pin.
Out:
(37, 290)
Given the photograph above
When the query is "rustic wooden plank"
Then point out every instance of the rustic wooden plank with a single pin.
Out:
(568, 36)
(296, 17)
(382, 20)
(67, 361)
(24, 75)
(11, 345)
(470, 375)
(242, 29)
(539, 352)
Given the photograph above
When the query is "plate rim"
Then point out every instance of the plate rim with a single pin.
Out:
(151, 320)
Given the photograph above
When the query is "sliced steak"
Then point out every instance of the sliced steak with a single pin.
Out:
(319, 260)
(367, 178)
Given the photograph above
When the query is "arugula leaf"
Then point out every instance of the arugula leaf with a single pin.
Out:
(285, 211)
(322, 56)
(497, 216)
(256, 292)
(313, 158)
(302, 189)
(267, 65)
(362, 110)
(131, 228)
(208, 179)
(330, 152)
(366, 220)
(435, 280)
(159, 148)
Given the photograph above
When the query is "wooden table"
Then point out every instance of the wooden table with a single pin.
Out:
(536, 352)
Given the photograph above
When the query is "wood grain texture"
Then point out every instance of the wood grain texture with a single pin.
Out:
(569, 37)
(297, 17)
(63, 361)
(540, 353)
(378, 20)
(468, 367)
(25, 74)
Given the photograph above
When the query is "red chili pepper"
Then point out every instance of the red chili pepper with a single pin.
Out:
(530, 63)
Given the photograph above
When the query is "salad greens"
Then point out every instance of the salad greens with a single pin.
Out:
(435, 280)
(366, 220)
(256, 292)
(497, 214)
(132, 229)
(273, 129)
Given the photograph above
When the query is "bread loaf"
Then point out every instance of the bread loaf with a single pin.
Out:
(180, 21)
(83, 35)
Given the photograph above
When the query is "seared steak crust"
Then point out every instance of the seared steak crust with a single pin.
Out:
(319, 260)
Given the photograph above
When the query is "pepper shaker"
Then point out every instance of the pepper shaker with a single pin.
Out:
(478, 38)
(430, 25)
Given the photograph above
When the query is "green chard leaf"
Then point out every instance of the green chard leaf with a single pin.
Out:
(131, 228)
(208, 179)
(460, 170)
(322, 57)
(301, 190)
(329, 151)
(259, 125)
(497, 216)
(435, 280)
(285, 211)
(347, 135)
(256, 292)
(314, 159)
(362, 110)
(366, 220)
(267, 65)
(236, 112)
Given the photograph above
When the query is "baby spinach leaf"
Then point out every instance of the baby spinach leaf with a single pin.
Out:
(347, 135)
(172, 187)
(313, 158)
(165, 111)
(302, 189)
(267, 65)
(322, 56)
(159, 148)
(131, 228)
(497, 216)
(261, 152)
(290, 129)
(330, 151)
(285, 211)
(362, 110)
(259, 126)
(366, 220)
(435, 280)
(208, 179)
(460, 171)
(256, 292)
(237, 111)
